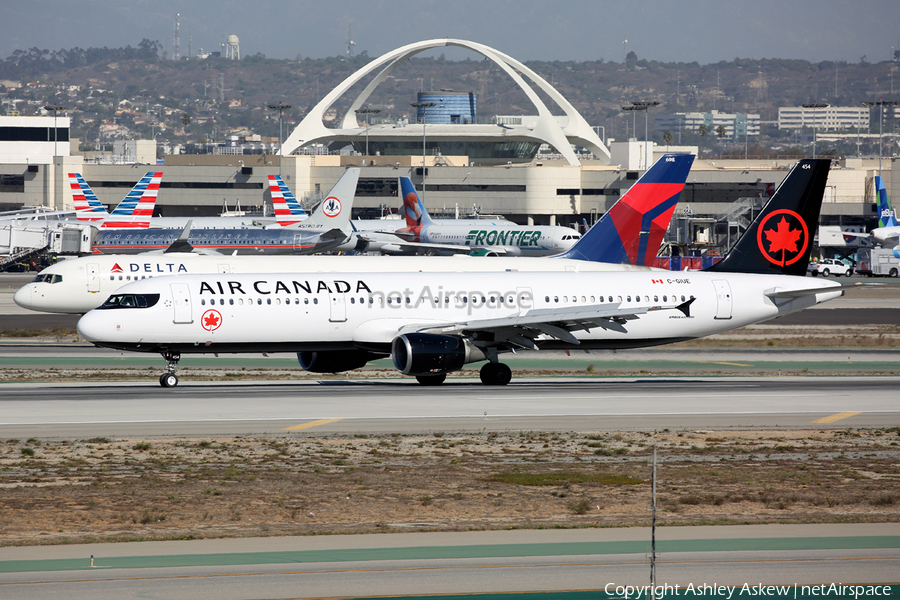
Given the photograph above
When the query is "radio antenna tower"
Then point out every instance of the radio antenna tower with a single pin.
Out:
(350, 42)
(177, 53)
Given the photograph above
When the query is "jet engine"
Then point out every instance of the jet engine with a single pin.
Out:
(335, 361)
(432, 354)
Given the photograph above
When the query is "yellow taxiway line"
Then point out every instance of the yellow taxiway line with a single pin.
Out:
(836, 417)
(311, 424)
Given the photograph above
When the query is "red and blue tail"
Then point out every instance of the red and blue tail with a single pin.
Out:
(87, 205)
(287, 209)
(135, 211)
(633, 229)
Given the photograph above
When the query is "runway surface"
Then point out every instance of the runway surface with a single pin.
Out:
(402, 406)
(456, 563)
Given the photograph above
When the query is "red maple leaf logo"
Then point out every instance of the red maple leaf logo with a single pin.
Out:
(211, 320)
(787, 241)
(783, 238)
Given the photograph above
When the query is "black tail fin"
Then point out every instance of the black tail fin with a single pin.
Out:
(779, 239)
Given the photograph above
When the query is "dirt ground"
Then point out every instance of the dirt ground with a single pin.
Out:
(69, 491)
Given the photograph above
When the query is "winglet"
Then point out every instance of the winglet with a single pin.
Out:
(685, 307)
(633, 229)
(181, 244)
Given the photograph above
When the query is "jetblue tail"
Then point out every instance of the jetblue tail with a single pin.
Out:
(633, 229)
(779, 239)
(334, 211)
(87, 205)
(413, 210)
(886, 215)
(135, 211)
(287, 210)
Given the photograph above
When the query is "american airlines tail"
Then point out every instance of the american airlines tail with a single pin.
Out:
(779, 239)
(887, 217)
(287, 209)
(633, 229)
(87, 205)
(135, 211)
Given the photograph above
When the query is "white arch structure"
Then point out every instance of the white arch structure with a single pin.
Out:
(576, 131)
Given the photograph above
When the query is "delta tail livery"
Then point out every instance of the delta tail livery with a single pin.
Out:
(632, 231)
(432, 324)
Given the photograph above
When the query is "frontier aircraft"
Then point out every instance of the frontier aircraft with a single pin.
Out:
(432, 324)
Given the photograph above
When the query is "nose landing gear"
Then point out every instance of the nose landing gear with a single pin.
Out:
(169, 378)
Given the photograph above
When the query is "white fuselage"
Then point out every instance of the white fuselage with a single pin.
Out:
(326, 311)
(80, 284)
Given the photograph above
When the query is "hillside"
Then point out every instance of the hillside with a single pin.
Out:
(93, 84)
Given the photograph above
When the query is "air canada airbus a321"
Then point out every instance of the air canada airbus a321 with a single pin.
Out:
(432, 324)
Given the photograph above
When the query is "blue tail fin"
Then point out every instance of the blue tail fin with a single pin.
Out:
(413, 210)
(633, 229)
(886, 215)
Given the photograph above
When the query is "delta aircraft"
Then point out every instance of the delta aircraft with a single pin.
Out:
(432, 324)
(325, 230)
(627, 237)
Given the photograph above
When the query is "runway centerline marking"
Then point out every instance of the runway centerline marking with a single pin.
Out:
(835, 417)
(311, 424)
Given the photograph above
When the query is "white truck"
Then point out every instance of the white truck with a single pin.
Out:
(878, 262)
(829, 266)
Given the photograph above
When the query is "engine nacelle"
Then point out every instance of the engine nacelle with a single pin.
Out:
(432, 354)
(335, 361)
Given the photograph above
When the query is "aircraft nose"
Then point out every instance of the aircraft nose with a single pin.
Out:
(23, 296)
(90, 326)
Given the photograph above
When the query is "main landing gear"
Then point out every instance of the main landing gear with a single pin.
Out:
(495, 374)
(169, 378)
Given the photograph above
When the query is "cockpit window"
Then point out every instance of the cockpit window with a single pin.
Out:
(47, 278)
(130, 301)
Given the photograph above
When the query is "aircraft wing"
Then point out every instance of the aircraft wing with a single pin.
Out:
(558, 323)
(326, 241)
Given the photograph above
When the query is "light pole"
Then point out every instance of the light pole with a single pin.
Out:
(642, 105)
(880, 103)
(280, 108)
(367, 111)
(54, 108)
(815, 106)
(424, 106)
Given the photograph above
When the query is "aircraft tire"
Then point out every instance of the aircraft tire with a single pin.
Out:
(168, 380)
(495, 374)
(431, 379)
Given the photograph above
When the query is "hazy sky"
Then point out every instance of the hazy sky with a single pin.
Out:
(706, 31)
